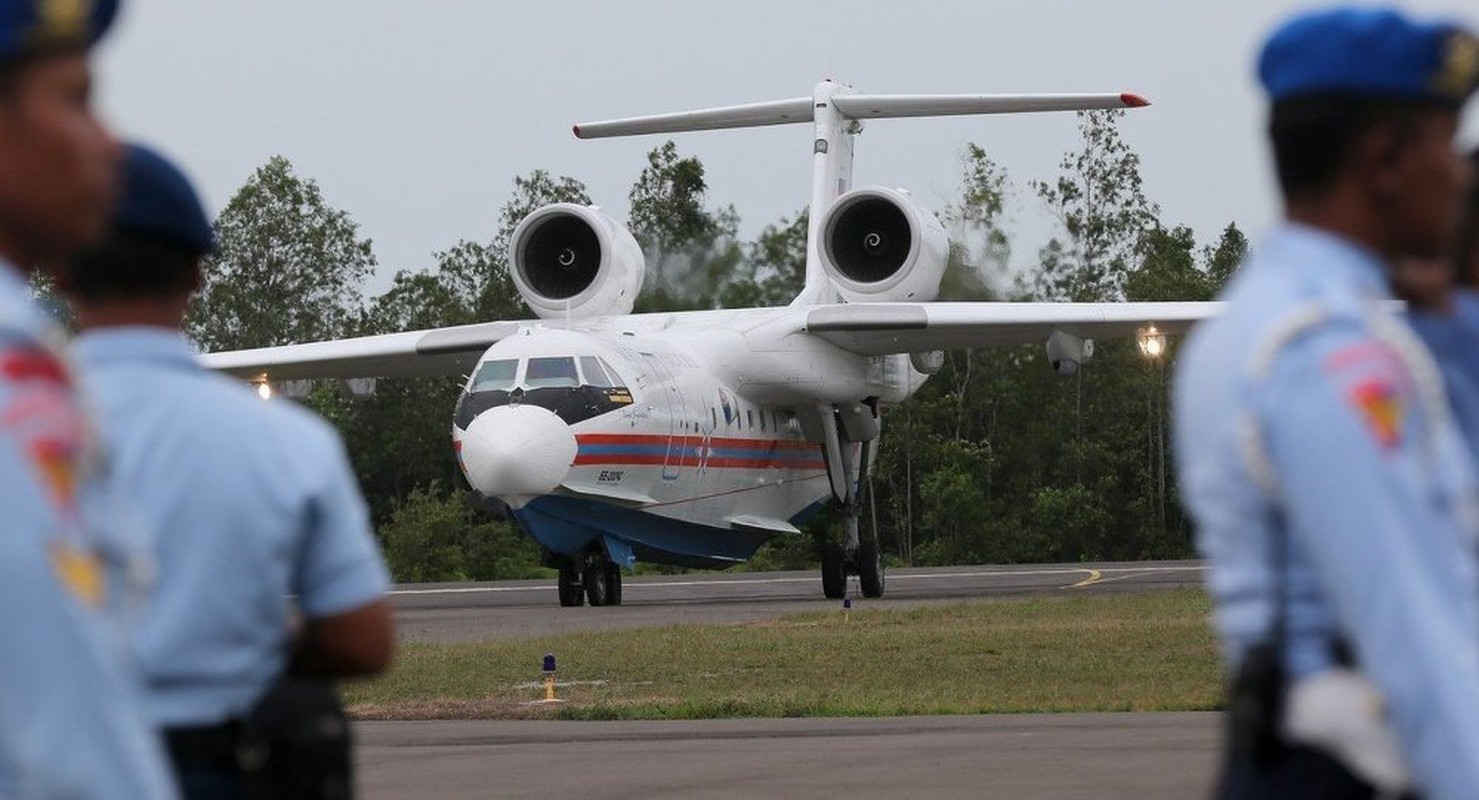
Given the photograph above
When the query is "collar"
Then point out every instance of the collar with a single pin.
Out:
(1324, 256)
(134, 343)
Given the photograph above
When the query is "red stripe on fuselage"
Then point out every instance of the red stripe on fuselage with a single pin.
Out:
(699, 451)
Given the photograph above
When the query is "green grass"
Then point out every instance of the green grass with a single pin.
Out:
(1092, 652)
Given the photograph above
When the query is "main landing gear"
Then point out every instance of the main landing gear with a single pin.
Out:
(866, 562)
(857, 556)
(590, 576)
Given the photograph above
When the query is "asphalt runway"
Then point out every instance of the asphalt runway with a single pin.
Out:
(461, 612)
(1032, 757)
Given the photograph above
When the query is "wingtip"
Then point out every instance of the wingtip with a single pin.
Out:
(1132, 100)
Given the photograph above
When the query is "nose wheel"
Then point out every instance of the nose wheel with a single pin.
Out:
(572, 591)
(589, 578)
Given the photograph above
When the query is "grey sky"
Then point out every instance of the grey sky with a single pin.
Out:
(415, 115)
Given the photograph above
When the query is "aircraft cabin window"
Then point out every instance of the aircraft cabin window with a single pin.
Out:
(713, 418)
(495, 376)
(762, 420)
(750, 419)
(551, 372)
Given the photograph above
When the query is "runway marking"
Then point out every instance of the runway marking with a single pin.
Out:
(1096, 576)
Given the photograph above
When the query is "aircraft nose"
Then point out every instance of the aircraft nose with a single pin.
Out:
(517, 452)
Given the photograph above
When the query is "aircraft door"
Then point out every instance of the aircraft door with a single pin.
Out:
(677, 412)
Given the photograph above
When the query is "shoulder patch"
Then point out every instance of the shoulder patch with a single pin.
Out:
(1379, 404)
(31, 364)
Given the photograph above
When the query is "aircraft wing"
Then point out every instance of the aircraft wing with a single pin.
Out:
(881, 328)
(424, 353)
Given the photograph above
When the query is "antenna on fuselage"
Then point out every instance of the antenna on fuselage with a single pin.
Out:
(837, 113)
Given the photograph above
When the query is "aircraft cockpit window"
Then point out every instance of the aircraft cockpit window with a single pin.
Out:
(556, 371)
(596, 374)
(495, 376)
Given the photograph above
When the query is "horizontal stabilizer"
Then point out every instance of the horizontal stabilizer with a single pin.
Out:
(754, 523)
(879, 106)
(752, 115)
(855, 106)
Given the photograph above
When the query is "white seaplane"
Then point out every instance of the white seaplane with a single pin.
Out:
(691, 438)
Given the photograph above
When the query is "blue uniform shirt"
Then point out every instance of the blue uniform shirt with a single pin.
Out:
(244, 502)
(1309, 415)
(1453, 337)
(70, 721)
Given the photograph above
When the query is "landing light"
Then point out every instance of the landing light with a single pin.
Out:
(1152, 343)
(264, 390)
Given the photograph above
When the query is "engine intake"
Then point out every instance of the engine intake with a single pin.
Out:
(879, 245)
(573, 260)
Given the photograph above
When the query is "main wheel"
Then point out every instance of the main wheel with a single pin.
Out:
(597, 583)
(834, 571)
(613, 583)
(572, 593)
(870, 568)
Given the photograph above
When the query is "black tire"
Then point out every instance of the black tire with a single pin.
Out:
(870, 568)
(572, 593)
(613, 584)
(597, 585)
(834, 571)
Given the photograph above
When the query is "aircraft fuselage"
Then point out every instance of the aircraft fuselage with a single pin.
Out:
(669, 443)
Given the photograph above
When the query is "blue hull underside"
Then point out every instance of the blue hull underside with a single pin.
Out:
(568, 525)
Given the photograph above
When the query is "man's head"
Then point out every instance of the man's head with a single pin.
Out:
(152, 252)
(58, 163)
(1364, 110)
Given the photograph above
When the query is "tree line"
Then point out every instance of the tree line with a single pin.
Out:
(996, 460)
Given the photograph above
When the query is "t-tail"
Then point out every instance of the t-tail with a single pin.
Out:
(836, 113)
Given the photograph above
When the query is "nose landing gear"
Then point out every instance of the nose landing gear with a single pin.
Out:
(589, 577)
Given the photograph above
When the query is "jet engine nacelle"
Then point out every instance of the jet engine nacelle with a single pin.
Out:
(573, 260)
(878, 246)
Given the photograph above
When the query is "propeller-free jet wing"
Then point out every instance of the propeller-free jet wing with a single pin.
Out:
(693, 437)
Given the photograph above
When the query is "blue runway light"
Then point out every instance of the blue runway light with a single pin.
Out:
(549, 662)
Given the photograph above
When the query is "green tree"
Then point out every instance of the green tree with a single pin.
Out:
(436, 537)
(287, 267)
(1100, 203)
(667, 202)
(691, 251)
(1223, 258)
(1167, 268)
(399, 437)
(980, 250)
(776, 261)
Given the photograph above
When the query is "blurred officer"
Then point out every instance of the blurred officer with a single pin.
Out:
(251, 509)
(70, 723)
(1332, 493)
